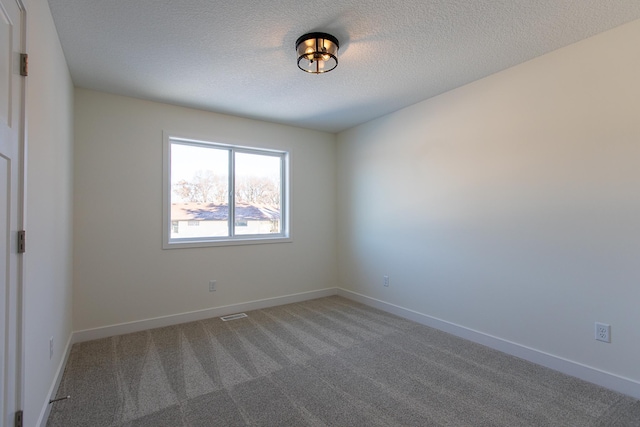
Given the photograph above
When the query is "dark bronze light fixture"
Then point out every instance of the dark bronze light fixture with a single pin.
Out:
(317, 52)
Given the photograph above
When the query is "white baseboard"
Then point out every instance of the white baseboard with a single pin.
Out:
(175, 319)
(46, 409)
(596, 376)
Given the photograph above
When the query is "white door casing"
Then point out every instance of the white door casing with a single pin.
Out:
(12, 41)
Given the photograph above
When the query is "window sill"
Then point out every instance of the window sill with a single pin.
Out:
(177, 244)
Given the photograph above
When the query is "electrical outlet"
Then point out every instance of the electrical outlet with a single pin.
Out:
(50, 347)
(603, 332)
(386, 281)
(212, 285)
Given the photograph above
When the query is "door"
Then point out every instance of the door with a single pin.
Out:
(11, 210)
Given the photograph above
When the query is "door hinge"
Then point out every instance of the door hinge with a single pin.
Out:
(24, 64)
(22, 241)
(18, 422)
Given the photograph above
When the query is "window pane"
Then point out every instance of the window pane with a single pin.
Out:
(199, 191)
(257, 194)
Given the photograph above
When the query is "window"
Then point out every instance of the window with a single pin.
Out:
(220, 194)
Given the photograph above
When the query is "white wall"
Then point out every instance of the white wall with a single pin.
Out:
(48, 275)
(510, 206)
(121, 272)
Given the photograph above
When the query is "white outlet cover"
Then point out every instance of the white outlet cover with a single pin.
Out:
(603, 332)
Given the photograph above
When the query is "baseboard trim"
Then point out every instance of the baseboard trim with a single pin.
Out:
(175, 319)
(593, 375)
(46, 409)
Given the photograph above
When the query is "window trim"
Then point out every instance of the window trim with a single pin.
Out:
(195, 242)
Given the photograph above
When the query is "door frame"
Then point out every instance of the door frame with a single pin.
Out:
(22, 208)
(14, 379)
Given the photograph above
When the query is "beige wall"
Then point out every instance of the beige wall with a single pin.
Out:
(510, 206)
(121, 272)
(49, 198)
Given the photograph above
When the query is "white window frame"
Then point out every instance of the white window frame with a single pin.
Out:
(193, 242)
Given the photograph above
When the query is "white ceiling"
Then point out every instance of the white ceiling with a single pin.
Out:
(238, 57)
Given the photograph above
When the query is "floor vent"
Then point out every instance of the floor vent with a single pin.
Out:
(233, 317)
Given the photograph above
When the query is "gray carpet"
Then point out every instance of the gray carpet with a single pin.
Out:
(326, 362)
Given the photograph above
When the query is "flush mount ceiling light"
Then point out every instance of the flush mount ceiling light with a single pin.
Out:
(317, 52)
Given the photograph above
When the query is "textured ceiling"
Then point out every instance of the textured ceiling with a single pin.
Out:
(238, 57)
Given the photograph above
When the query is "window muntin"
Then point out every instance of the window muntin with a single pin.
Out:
(235, 194)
